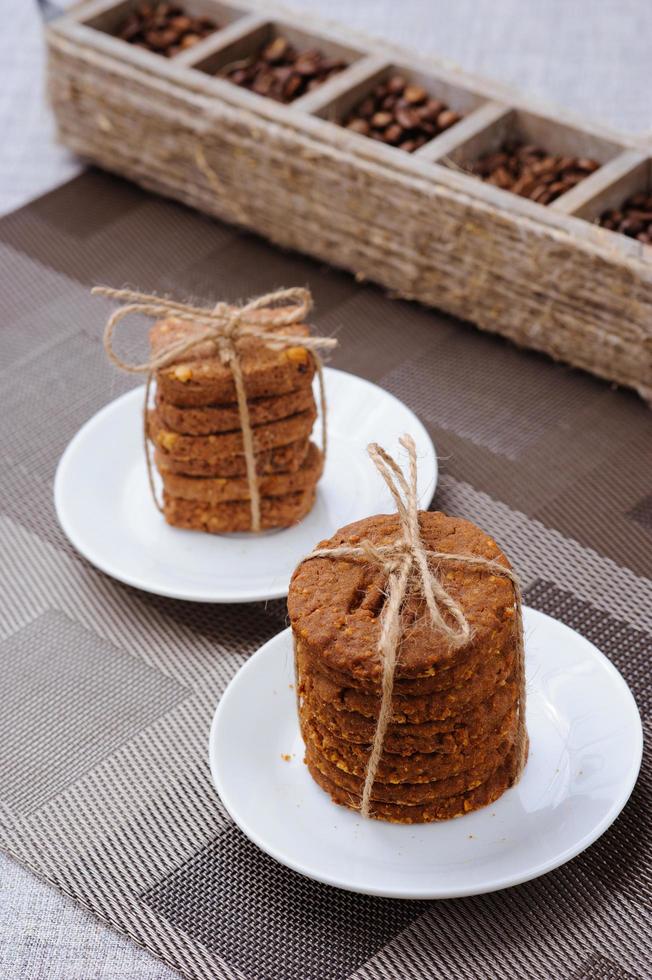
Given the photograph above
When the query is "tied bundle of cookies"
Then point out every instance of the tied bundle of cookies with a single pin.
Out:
(234, 409)
(409, 660)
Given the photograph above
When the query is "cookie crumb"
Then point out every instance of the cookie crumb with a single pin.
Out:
(286, 756)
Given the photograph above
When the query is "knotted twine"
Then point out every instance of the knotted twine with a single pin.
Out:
(224, 325)
(405, 560)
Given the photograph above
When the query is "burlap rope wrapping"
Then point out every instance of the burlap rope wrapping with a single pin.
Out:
(405, 560)
(225, 325)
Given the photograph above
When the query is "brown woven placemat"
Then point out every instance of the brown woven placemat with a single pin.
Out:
(108, 693)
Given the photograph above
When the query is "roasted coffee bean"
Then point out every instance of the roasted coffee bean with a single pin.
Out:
(407, 118)
(446, 119)
(380, 120)
(188, 40)
(282, 73)
(366, 109)
(275, 51)
(361, 126)
(414, 94)
(164, 28)
(400, 114)
(530, 171)
(396, 85)
(633, 218)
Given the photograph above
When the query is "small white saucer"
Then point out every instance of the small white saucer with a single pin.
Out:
(586, 743)
(105, 508)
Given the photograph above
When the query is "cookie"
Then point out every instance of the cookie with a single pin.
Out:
(440, 705)
(269, 436)
(444, 809)
(406, 793)
(335, 603)
(214, 490)
(235, 515)
(420, 767)
(434, 736)
(282, 459)
(226, 418)
(461, 672)
(201, 378)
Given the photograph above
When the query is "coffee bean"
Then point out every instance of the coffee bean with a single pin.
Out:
(164, 28)
(306, 65)
(393, 133)
(396, 84)
(359, 126)
(366, 108)
(539, 192)
(500, 177)
(160, 40)
(181, 24)
(633, 218)
(400, 114)
(291, 88)
(407, 118)
(275, 50)
(447, 118)
(568, 163)
(414, 94)
(381, 119)
(630, 226)
(188, 40)
(280, 72)
(529, 171)
(549, 165)
(131, 27)
(431, 110)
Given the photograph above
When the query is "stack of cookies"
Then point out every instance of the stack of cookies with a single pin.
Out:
(456, 740)
(196, 430)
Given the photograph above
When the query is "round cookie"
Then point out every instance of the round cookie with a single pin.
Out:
(463, 671)
(201, 378)
(268, 436)
(406, 793)
(335, 603)
(406, 739)
(235, 515)
(214, 490)
(418, 708)
(445, 809)
(226, 418)
(417, 768)
(282, 459)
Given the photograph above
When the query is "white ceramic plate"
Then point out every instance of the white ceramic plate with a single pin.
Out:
(586, 744)
(105, 508)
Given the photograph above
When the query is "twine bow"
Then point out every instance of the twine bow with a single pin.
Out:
(224, 325)
(408, 559)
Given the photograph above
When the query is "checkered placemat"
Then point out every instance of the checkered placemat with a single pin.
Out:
(108, 692)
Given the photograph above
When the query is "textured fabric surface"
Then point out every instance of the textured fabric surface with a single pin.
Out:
(108, 693)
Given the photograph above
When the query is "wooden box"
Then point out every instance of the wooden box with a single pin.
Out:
(548, 277)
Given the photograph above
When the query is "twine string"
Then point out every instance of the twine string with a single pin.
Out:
(224, 325)
(405, 559)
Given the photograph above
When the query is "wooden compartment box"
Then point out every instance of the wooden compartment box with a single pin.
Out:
(549, 277)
